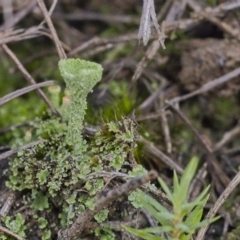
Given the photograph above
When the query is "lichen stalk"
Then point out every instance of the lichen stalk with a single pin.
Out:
(80, 77)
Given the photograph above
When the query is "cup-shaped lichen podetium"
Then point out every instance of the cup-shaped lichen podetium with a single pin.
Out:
(80, 77)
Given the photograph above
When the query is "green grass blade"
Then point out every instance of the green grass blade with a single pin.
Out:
(205, 222)
(175, 183)
(166, 189)
(186, 179)
(155, 209)
(194, 217)
(158, 230)
(187, 208)
(142, 234)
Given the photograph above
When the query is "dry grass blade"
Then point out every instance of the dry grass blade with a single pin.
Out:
(212, 160)
(148, 17)
(25, 90)
(156, 25)
(150, 53)
(61, 53)
(110, 18)
(228, 136)
(50, 11)
(152, 150)
(145, 24)
(233, 184)
(28, 77)
(17, 17)
(7, 10)
(208, 86)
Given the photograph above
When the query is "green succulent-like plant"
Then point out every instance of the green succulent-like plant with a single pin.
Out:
(185, 217)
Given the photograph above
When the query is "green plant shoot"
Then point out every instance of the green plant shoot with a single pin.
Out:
(182, 222)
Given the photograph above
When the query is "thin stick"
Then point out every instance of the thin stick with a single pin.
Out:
(221, 175)
(50, 11)
(232, 185)
(14, 151)
(151, 149)
(105, 199)
(228, 136)
(208, 86)
(17, 17)
(166, 132)
(28, 77)
(149, 55)
(22, 91)
(8, 232)
(211, 18)
(8, 204)
(57, 42)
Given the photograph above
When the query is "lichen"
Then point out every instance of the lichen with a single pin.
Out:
(54, 173)
(16, 225)
(80, 77)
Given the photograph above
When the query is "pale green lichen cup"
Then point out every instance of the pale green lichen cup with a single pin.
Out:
(80, 77)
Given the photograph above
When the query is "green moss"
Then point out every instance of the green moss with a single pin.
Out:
(121, 103)
(225, 107)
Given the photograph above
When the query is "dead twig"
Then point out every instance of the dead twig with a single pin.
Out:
(149, 55)
(105, 198)
(10, 233)
(232, 185)
(229, 5)
(14, 126)
(221, 175)
(164, 9)
(98, 50)
(84, 15)
(22, 34)
(197, 183)
(25, 90)
(29, 78)
(166, 132)
(176, 11)
(148, 102)
(152, 150)
(50, 11)
(208, 86)
(228, 136)
(8, 204)
(61, 53)
(208, 14)
(16, 150)
(18, 16)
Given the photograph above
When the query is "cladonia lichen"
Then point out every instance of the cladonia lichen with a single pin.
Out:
(55, 173)
(80, 77)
